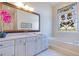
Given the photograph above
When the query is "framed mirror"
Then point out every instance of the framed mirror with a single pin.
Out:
(21, 19)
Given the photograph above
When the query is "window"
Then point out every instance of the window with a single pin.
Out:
(67, 17)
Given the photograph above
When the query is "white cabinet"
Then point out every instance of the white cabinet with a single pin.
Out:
(7, 48)
(24, 46)
(4, 44)
(41, 43)
(8, 51)
(20, 47)
(44, 42)
(35, 45)
(38, 44)
(1, 52)
(30, 46)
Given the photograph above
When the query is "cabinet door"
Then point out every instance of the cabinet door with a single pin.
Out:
(8, 51)
(44, 43)
(30, 46)
(38, 44)
(1, 52)
(4, 44)
(20, 47)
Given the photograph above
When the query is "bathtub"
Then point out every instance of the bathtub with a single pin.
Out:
(69, 48)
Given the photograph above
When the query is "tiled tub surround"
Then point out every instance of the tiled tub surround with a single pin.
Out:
(23, 44)
(70, 48)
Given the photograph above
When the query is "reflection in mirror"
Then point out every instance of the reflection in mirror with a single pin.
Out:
(12, 12)
(0, 21)
(27, 21)
(21, 20)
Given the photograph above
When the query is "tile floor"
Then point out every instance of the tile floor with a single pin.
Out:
(50, 52)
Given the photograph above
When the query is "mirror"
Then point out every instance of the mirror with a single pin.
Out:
(27, 21)
(21, 20)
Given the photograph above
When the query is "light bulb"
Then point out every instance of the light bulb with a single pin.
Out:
(19, 4)
(31, 9)
(26, 7)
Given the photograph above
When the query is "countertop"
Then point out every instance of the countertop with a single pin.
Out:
(17, 36)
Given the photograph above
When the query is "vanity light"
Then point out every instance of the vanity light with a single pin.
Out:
(19, 4)
(31, 9)
(26, 7)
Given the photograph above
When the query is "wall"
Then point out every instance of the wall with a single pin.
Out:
(67, 36)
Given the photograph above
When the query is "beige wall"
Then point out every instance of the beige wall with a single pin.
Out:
(67, 36)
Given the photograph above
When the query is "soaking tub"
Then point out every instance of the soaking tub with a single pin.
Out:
(69, 48)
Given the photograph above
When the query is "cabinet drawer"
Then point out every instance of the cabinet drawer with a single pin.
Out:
(6, 43)
(8, 51)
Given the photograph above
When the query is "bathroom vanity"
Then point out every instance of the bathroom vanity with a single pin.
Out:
(23, 44)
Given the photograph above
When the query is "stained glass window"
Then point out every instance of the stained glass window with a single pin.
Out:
(67, 17)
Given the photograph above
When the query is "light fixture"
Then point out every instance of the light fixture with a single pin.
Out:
(26, 7)
(19, 4)
(31, 9)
